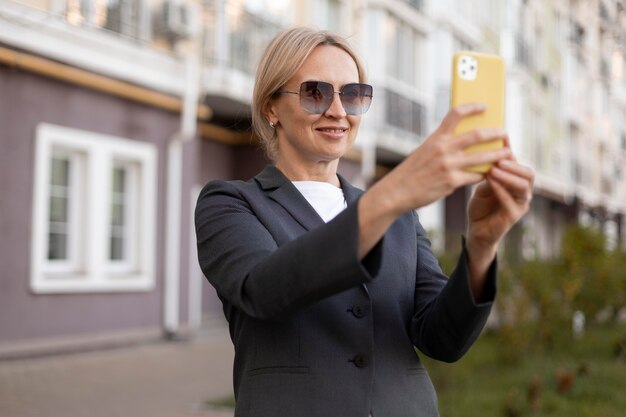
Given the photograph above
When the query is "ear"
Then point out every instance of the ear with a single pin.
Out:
(270, 111)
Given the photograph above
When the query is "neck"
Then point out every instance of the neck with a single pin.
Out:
(322, 171)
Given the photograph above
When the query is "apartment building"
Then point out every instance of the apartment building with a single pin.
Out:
(566, 111)
(565, 102)
(117, 112)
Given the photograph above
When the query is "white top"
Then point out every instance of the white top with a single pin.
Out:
(327, 200)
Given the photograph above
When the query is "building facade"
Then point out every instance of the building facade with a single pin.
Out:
(117, 112)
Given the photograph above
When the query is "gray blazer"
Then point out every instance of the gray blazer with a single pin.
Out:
(318, 333)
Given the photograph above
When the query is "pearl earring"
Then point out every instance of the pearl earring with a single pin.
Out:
(272, 124)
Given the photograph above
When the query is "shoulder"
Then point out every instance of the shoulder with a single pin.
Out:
(235, 187)
(222, 194)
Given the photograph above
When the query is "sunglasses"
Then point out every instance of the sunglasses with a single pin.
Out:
(317, 96)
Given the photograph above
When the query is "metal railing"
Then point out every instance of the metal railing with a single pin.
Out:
(236, 38)
(404, 114)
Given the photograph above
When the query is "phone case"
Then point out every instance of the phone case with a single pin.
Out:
(479, 78)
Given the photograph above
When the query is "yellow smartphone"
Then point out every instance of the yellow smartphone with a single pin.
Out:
(479, 78)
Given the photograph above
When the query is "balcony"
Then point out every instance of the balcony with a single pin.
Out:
(234, 40)
(113, 39)
(400, 123)
(125, 18)
(404, 114)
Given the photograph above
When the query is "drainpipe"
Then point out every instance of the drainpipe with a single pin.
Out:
(187, 132)
(367, 138)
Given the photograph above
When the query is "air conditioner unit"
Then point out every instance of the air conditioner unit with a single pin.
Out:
(178, 20)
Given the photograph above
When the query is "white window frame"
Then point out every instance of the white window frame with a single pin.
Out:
(91, 269)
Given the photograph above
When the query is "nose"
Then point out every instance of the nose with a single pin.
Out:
(336, 109)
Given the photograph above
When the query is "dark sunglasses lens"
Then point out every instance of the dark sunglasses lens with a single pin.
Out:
(316, 96)
(356, 98)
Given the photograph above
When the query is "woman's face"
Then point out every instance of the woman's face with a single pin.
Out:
(303, 137)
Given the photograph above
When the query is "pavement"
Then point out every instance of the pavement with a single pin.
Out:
(162, 379)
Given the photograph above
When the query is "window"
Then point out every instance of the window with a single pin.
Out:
(64, 208)
(402, 50)
(122, 228)
(333, 15)
(94, 212)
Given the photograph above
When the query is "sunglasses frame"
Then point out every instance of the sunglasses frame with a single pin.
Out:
(340, 92)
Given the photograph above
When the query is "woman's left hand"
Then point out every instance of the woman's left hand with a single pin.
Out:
(497, 204)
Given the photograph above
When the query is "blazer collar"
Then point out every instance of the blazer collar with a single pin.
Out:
(281, 190)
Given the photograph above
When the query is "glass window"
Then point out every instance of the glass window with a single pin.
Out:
(63, 239)
(85, 239)
(59, 208)
(333, 17)
(401, 51)
(124, 216)
(119, 224)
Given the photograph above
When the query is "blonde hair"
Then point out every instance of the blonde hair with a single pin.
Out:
(282, 58)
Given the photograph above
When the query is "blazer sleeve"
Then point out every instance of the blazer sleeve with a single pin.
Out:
(240, 258)
(447, 320)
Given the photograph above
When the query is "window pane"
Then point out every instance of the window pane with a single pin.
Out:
(60, 171)
(119, 205)
(117, 249)
(117, 214)
(334, 14)
(58, 205)
(59, 209)
(57, 246)
(118, 179)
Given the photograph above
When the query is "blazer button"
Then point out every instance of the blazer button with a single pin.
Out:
(358, 311)
(360, 361)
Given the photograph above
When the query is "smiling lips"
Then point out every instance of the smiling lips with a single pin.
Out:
(332, 131)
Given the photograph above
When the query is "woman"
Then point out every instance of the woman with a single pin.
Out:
(327, 290)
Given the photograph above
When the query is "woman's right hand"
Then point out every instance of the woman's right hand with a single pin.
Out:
(432, 171)
(438, 166)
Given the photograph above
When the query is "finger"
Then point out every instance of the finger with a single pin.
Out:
(469, 178)
(517, 169)
(518, 186)
(506, 199)
(466, 160)
(483, 190)
(458, 113)
(478, 136)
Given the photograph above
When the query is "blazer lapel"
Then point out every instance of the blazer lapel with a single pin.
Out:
(281, 190)
(350, 192)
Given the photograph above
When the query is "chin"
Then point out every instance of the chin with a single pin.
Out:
(332, 154)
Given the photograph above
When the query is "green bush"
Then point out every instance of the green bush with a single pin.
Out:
(538, 297)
